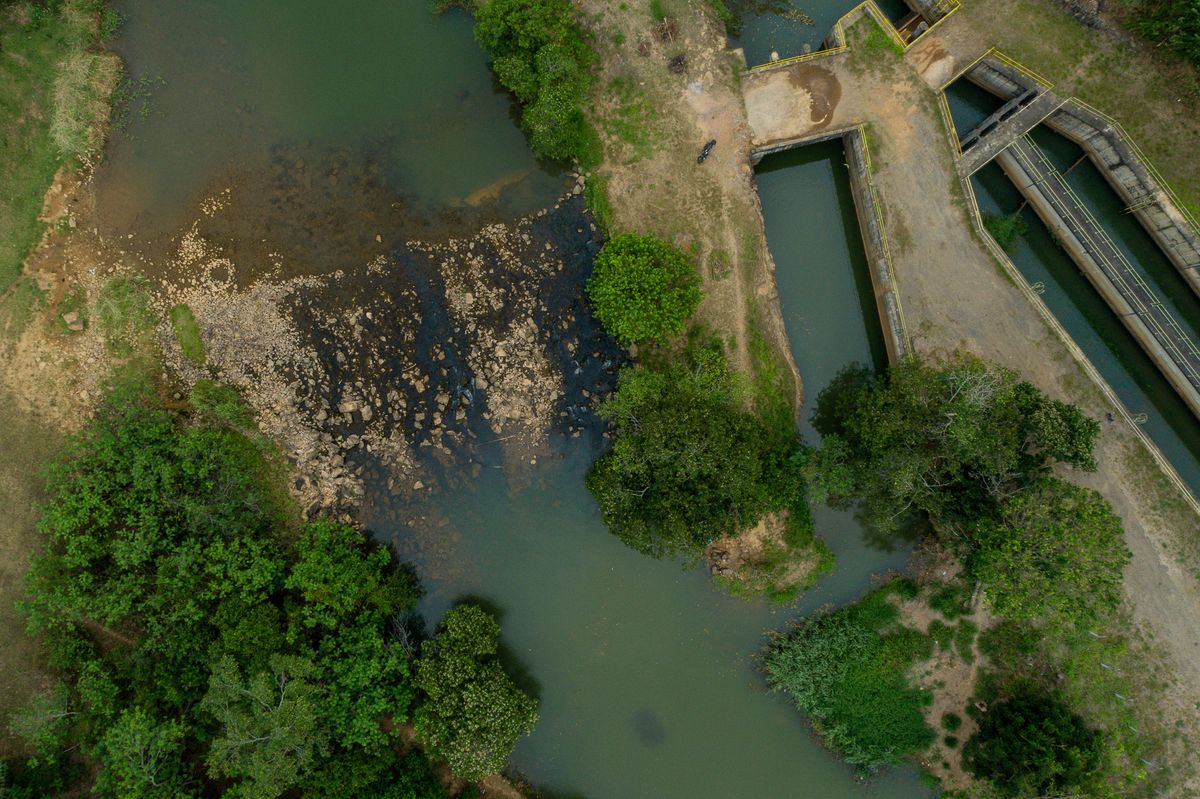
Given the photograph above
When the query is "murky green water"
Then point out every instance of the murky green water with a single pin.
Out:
(763, 34)
(324, 119)
(970, 105)
(221, 85)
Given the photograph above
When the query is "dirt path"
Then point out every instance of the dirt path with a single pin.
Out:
(657, 120)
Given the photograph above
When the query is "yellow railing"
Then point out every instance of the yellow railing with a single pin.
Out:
(1154, 173)
(868, 8)
(1016, 276)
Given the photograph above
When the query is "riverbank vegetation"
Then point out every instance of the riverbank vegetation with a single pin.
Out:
(643, 289)
(203, 635)
(54, 84)
(689, 463)
(847, 670)
(540, 54)
(969, 447)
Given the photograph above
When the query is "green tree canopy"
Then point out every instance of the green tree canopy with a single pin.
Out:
(200, 628)
(1033, 745)
(472, 713)
(688, 464)
(1056, 550)
(643, 289)
(950, 440)
(539, 53)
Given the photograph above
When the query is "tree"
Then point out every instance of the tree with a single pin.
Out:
(1173, 23)
(950, 440)
(643, 289)
(141, 758)
(539, 53)
(270, 731)
(1056, 549)
(471, 713)
(1033, 745)
(688, 465)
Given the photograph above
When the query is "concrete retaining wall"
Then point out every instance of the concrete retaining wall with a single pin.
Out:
(873, 236)
(1117, 161)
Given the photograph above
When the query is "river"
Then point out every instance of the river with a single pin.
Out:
(337, 128)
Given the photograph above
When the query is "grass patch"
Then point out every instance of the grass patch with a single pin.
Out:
(18, 305)
(187, 332)
(595, 195)
(73, 306)
(847, 669)
(632, 121)
(124, 313)
(51, 107)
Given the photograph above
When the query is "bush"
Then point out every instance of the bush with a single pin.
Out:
(539, 53)
(1056, 550)
(1006, 230)
(1033, 745)
(472, 713)
(643, 289)
(1174, 24)
(688, 465)
(846, 669)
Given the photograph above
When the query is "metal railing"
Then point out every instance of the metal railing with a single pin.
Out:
(1111, 260)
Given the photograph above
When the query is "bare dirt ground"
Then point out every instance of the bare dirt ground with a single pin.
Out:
(655, 122)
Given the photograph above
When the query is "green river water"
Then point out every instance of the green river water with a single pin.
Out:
(644, 668)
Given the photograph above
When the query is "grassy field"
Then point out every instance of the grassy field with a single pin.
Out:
(1153, 95)
(26, 444)
(53, 88)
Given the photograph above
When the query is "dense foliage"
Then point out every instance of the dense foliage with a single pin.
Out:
(1006, 230)
(948, 440)
(205, 636)
(1034, 745)
(643, 289)
(1056, 550)
(846, 670)
(473, 713)
(539, 53)
(1174, 24)
(688, 463)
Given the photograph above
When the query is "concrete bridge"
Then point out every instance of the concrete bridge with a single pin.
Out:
(1015, 119)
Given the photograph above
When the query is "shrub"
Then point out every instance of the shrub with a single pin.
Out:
(539, 53)
(1006, 230)
(688, 465)
(1056, 550)
(1174, 24)
(472, 713)
(846, 669)
(1033, 745)
(643, 289)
